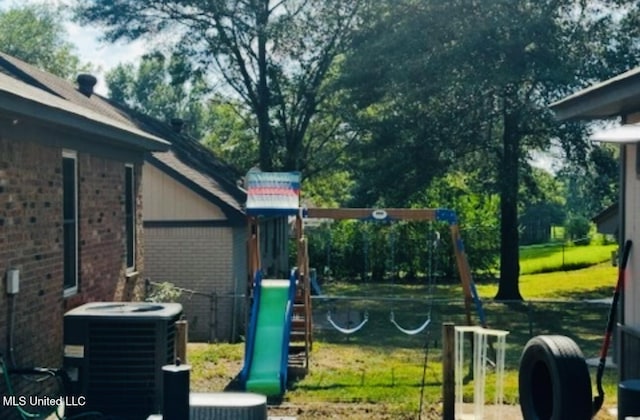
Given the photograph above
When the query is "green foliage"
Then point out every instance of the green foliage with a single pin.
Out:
(274, 57)
(164, 88)
(328, 189)
(337, 250)
(477, 210)
(418, 94)
(164, 292)
(440, 90)
(593, 184)
(36, 34)
(404, 250)
(577, 230)
(541, 205)
(537, 220)
(230, 133)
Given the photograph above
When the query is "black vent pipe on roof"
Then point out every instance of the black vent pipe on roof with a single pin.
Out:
(177, 124)
(86, 83)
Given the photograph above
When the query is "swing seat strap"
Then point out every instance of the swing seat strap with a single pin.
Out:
(348, 330)
(415, 331)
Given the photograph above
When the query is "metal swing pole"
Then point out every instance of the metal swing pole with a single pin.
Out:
(431, 246)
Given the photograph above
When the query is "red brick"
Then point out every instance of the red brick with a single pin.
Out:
(31, 240)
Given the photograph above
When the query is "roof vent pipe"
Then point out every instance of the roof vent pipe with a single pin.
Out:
(86, 83)
(177, 124)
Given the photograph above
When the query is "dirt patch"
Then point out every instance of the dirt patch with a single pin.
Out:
(314, 411)
(383, 412)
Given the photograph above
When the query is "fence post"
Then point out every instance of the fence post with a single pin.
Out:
(448, 372)
(182, 328)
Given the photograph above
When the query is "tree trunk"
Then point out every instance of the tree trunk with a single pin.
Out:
(262, 106)
(508, 287)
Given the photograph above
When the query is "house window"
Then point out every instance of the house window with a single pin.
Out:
(130, 216)
(70, 220)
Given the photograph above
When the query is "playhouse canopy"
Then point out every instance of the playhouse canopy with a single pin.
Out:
(272, 193)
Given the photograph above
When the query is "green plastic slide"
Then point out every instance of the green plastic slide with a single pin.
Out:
(266, 361)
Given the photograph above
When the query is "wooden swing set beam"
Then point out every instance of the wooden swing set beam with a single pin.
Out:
(364, 213)
(420, 214)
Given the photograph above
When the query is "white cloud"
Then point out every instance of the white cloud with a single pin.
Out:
(102, 55)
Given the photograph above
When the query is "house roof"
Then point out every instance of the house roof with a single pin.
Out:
(185, 159)
(613, 97)
(607, 221)
(606, 214)
(19, 100)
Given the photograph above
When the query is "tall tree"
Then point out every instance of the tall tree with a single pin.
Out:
(593, 185)
(163, 87)
(231, 133)
(469, 79)
(275, 55)
(541, 205)
(35, 34)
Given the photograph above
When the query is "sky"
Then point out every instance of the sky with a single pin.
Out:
(89, 48)
(101, 55)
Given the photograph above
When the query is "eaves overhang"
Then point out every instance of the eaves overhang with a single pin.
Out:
(617, 96)
(21, 101)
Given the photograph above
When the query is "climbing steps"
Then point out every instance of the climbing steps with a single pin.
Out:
(301, 339)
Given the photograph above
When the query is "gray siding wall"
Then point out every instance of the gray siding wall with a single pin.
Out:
(202, 261)
(241, 278)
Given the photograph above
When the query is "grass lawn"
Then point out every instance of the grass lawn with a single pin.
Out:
(377, 372)
(559, 257)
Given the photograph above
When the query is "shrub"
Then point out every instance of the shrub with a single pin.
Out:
(164, 292)
(577, 230)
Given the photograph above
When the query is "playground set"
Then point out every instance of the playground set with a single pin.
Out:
(279, 333)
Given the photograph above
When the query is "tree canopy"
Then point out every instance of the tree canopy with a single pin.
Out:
(275, 56)
(35, 34)
(427, 97)
(460, 84)
(164, 88)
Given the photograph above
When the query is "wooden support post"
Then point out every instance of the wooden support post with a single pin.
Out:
(253, 247)
(448, 371)
(464, 270)
(182, 332)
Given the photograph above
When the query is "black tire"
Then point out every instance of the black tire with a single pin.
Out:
(554, 382)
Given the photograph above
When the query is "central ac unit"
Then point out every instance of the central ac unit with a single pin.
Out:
(114, 353)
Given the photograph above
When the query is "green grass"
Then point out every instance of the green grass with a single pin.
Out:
(587, 283)
(380, 366)
(560, 257)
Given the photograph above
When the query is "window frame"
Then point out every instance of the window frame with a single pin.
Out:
(130, 217)
(68, 290)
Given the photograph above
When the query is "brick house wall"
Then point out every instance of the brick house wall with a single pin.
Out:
(102, 236)
(31, 241)
(30, 232)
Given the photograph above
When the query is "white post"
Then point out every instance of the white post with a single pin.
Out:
(481, 337)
